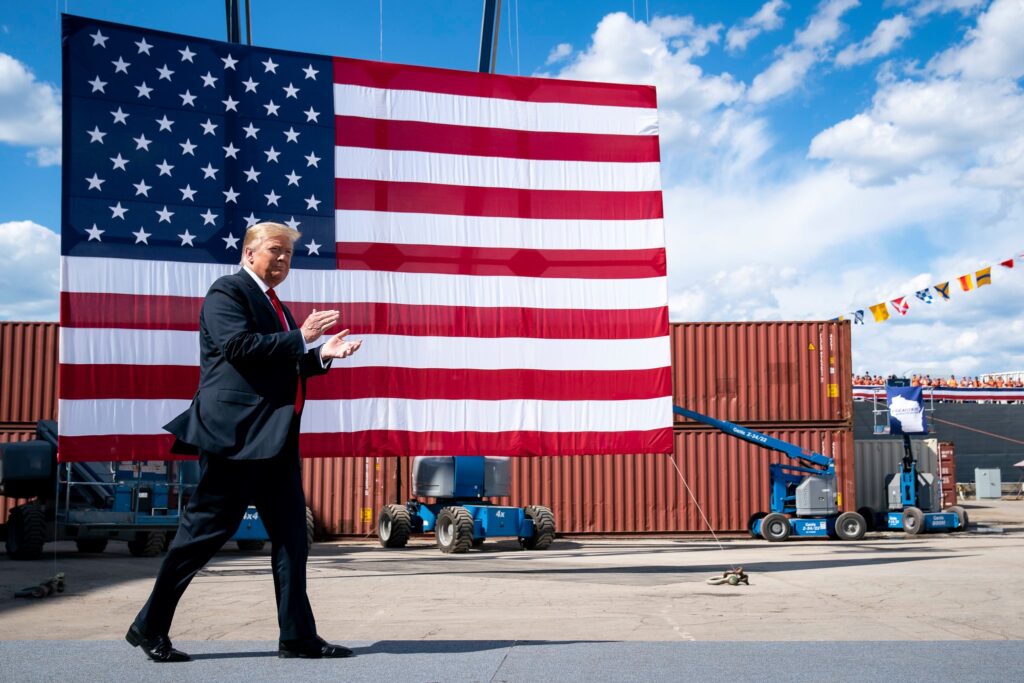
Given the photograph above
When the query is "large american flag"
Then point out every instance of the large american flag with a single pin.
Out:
(496, 242)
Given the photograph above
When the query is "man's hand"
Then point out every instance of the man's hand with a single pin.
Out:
(338, 347)
(317, 322)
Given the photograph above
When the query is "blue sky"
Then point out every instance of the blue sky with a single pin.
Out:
(818, 157)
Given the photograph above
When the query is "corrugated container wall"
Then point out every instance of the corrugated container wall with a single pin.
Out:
(28, 374)
(878, 458)
(11, 436)
(764, 372)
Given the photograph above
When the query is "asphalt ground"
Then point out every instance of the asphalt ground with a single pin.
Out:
(890, 607)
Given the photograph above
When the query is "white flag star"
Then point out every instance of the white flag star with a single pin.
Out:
(230, 242)
(165, 168)
(293, 179)
(229, 62)
(95, 182)
(272, 154)
(95, 233)
(209, 171)
(98, 39)
(142, 142)
(250, 131)
(187, 193)
(143, 46)
(120, 116)
(142, 236)
(269, 66)
(209, 218)
(271, 108)
(209, 127)
(314, 248)
(142, 188)
(165, 73)
(312, 160)
(230, 151)
(230, 195)
(97, 84)
(186, 238)
(250, 85)
(187, 147)
(312, 203)
(311, 72)
(252, 175)
(187, 55)
(292, 223)
(117, 211)
(165, 123)
(251, 220)
(312, 115)
(121, 65)
(120, 162)
(291, 135)
(290, 91)
(164, 214)
(95, 135)
(209, 80)
(230, 104)
(144, 90)
(187, 99)
(272, 198)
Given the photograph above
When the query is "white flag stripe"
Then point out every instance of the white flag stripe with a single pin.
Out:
(362, 163)
(462, 110)
(490, 232)
(87, 345)
(139, 417)
(164, 278)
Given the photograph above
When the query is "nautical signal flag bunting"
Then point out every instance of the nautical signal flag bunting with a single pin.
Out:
(496, 242)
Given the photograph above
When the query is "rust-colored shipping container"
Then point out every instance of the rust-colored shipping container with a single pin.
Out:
(761, 373)
(28, 374)
(947, 473)
(608, 494)
(12, 436)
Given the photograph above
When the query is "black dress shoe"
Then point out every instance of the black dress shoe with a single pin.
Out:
(159, 649)
(311, 648)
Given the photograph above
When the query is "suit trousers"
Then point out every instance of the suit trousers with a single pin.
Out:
(213, 515)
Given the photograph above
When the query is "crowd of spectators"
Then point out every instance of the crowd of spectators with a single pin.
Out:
(867, 379)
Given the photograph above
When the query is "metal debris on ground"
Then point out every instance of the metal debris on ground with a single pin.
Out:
(733, 577)
(48, 587)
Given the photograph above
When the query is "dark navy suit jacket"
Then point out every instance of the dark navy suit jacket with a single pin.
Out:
(248, 371)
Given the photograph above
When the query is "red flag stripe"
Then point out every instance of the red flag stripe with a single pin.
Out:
(390, 443)
(139, 312)
(378, 195)
(150, 382)
(419, 136)
(451, 82)
(573, 263)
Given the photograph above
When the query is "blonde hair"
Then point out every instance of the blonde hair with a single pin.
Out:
(255, 235)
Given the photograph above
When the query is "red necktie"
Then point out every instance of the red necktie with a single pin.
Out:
(299, 399)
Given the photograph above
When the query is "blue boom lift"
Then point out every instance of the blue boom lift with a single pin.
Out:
(461, 516)
(804, 499)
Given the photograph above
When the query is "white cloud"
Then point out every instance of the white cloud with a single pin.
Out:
(558, 53)
(768, 18)
(30, 112)
(30, 278)
(993, 49)
(886, 37)
(921, 8)
(810, 45)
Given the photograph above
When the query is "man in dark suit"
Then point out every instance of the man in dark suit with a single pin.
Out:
(244, 425)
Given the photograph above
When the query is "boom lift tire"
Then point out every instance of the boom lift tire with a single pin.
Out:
(961, 515)
(147, 544)
(913, 521)
(454, 529)
(310, 529)
(26, 532)
(850, 526)
(775, 527)
(394, 525)
(750, 522)
(543, 528)
(869, 517)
